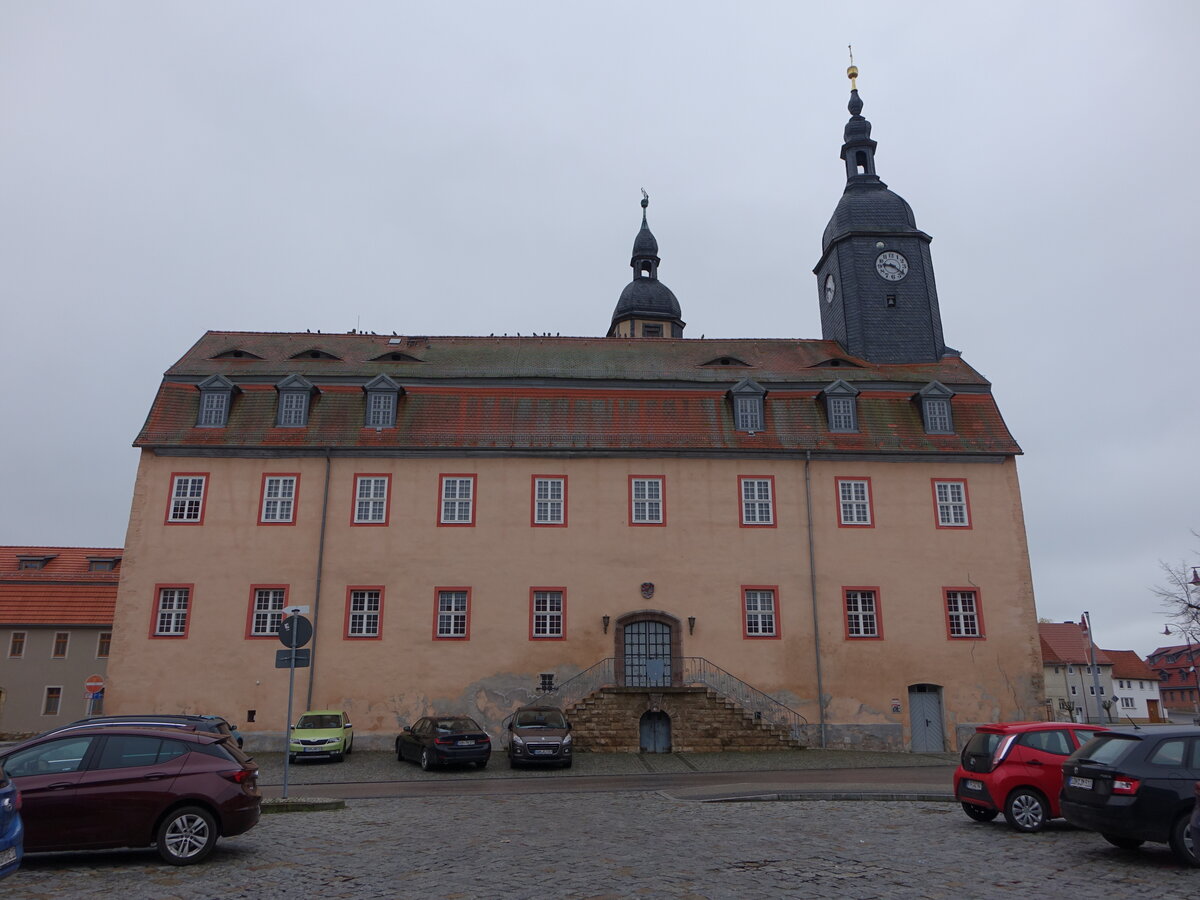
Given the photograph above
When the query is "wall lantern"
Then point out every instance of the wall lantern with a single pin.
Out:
(605, 620)
(691, 624)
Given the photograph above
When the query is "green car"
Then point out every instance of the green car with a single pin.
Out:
(322, 732)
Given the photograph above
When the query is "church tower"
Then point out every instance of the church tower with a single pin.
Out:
(647, 308)
(875, 276)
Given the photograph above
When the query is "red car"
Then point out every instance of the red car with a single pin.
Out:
(1015, 768)
(117, 786)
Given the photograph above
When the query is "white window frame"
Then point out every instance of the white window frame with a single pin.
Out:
(104, 641)
(279, 498)
(171, 610)
(952, 511)
(454, 609)
(862, 613)
(187, 498)
(549, 607)
(457, 500)
(962, 610)
(646, 500)
(1128, 703)
(549, 500)
(760, 611)
(370, 499)
(267, 613)
(17, 644)
(366, 609)
(758, 500)
(854, 502)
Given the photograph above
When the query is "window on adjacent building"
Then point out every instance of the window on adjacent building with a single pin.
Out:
(547, 612)
(278, 499)
(759, 612)
(1127, 703)
(458, 500)
(52, 701)
(61, 640)
(854, 502)
(951, 500)
(266, 609)
(963, 614)
(549, 500)
(646, 500)
(758, 503)
(453, 613)
(103, 644)
(187, 498)
(1073, 691)
(171, 611)
(364, 612)
(862, 613)
(96, 564)
(371, 499)
(16, 645)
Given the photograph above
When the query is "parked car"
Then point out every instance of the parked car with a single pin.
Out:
(1015, 768)
(131, 786)
(441, 740)
(322, 732)
(12, 832)
(214, 724)
(1135, 785)
(540, 735)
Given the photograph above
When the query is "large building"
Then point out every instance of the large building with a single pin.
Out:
(826, 534)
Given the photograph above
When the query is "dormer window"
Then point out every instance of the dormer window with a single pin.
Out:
(34, 562)
(935, 408)
(748, 407)
(382, 394)
(841, 407)
(102, 563)
(216, 395)
(295, 391)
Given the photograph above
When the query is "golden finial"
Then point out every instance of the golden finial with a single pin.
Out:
(852, 72)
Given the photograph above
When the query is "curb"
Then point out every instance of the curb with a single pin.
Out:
(834, 795)
(300, 804)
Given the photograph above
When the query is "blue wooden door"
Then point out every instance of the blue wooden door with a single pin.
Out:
(656, 732)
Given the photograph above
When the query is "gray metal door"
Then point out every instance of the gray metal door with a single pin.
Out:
(647, 654)
(656, 732)
(925, 716)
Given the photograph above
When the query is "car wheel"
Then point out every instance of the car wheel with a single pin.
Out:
(426, 759)
(350, 747)
(187, 835)
(980, 813)
(1026, 810)
(337, 757)
(1184, 841)
(481, 764)
(291, 757)
(512, 763)
(399, 752)
(1125, 843)
(567, 764)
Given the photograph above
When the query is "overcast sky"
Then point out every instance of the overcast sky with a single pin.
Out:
(469, 168)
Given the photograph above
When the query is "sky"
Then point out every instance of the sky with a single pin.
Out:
(475, 168)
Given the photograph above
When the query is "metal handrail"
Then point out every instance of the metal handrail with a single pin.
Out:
(696, 671)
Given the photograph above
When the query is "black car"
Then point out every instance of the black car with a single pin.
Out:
(1135, 785)
(211, 724)
(540, 735)
(440, 740)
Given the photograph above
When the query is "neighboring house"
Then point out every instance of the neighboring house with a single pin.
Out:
(1175, 668)
(1076, 689)
(1135, 687)
(836, 523)
(56, 615)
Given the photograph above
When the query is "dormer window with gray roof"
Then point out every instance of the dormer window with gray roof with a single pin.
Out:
(295, 392)
(841, 407)
(216, 396)
(935, 408)
(382, 395)
(29, 561)
(747, 397)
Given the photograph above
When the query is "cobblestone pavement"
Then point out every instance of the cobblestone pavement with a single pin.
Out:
(617, 845)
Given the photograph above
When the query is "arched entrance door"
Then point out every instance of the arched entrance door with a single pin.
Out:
(647, 661)
(925, 718)
(655, 731)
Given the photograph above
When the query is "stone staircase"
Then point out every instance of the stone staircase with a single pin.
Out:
(702, 721)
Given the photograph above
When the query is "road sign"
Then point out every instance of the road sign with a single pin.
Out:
(94, 684)
(295, 631)
(283, 658)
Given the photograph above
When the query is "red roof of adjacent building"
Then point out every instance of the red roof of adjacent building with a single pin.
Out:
(1067, 643)
(1127, 664)
(64, 591)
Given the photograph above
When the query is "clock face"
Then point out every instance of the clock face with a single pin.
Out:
(829, 288)
(891, 266)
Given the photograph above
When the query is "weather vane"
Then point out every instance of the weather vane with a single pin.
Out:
(645, 199)
(852, 72)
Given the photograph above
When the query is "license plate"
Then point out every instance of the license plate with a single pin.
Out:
(541, 752)
(314, 749)
(466, 743)
(7, 856)
(1076, 782)
(973, 785)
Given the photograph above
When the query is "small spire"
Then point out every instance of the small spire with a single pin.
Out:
(852, 72)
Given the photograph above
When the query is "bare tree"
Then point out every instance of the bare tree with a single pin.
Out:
(1180, 593)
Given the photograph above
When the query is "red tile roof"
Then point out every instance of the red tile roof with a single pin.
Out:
(64, 592)
(1127, 664)
(1067, 643)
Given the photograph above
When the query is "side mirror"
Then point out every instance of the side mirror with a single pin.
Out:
(408, 729)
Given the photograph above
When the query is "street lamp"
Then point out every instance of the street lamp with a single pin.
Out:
(1187, 633)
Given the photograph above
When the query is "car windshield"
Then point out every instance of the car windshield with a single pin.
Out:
(455, 726)
(1108, 749)
(982, 743)
(320, 722)
(541, 718)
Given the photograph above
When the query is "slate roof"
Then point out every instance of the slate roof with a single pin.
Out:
(565, 394)
(1066, 643)
(62, 593)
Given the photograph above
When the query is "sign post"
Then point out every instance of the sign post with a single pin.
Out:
(294, 631)
(93, 687)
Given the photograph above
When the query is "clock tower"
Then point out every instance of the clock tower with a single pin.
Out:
(875, 276)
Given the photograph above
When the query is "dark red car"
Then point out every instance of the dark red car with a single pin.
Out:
(114, 786)
(1015, 768)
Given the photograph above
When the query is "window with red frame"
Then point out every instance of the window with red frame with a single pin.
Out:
(458, 500)
(171, 612)
(266, 610)
(862, 613)
(758, 606)
(453, 611)
(963, 614)
(758, 501)
(187, 499)
(548, 612)
(951, 499)
(364, 613)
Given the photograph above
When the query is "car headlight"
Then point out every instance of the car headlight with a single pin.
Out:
(566, 741)
(518, 741)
